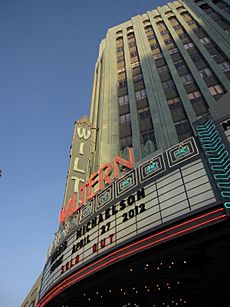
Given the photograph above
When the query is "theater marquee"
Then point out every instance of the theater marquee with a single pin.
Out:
(169, 186)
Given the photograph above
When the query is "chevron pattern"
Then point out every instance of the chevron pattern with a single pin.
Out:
(218, 157)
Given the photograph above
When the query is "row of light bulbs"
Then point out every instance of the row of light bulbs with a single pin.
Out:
(173, 303)
(169, 265)
(134, 288)
(147, 289)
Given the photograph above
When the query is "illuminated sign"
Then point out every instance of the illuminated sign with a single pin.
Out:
(78, 167)
(218, 157)
(168, 186)
(158, 237)
(96, 183)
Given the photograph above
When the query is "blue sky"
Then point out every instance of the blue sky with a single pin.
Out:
(48, 49)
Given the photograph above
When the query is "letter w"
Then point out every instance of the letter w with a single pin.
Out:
(83, 132)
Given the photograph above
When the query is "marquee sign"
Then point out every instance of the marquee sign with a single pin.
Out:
(78, 167)
(168, 186)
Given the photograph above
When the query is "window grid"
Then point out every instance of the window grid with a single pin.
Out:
(141, 94)
(216, 89)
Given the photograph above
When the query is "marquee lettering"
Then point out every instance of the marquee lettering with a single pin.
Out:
(97, 182)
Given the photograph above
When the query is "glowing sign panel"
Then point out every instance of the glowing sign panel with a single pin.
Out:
(141, 201)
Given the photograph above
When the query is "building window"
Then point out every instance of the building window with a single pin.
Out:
(163, 68)
(129, 29)
(224, 66)
(177, 27)
(186, 15)
(206, 72)
(173, 50)
(196, 57)
(140, 94)
(173, 101)
(173, 20)
(158, 56)
(179, 64)
(122, 83)
(144, 113)
(120, 59)
(188, 45)
(205, 40)
(125, 118)
(147, 21)
(148, 29)
(126, 141)
(138, 78)
(119, 49)
(122, 100)
(154, 46)
(131, 35)
(133, 54)
(216, 90)
(148, 135)
(168, 41)
(120, 70)
(164, 32)
(187, 79)
(161, 25)
(194, 95)
(182, 35)
(168, 84)
(213, 52)
(119, 40)
(191, 22)
(150, 37)
(132, 44)
(135, 64)
(183, 127)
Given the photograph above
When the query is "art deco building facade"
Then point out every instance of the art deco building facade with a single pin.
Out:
(158, 73)
(150, 229)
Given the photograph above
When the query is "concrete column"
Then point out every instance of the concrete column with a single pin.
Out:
(159, 122)
(180, 88)
(132, 99)
(109, 128)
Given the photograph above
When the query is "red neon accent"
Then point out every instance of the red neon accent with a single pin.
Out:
(82, 194)
(104, 177)
(69, 209)
(62, 216)
(93, 180)
(71, 205)
(128, 164)
(64, 284)
(140, 248)
(133, 244)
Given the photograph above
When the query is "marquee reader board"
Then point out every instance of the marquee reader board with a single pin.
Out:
(158, 192)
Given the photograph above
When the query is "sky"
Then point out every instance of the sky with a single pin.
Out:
(48, 51)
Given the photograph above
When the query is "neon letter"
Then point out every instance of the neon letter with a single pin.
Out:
(128, 164)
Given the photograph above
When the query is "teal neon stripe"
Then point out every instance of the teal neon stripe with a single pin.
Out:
(218, 155)
(227, 205)
(205, 126)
